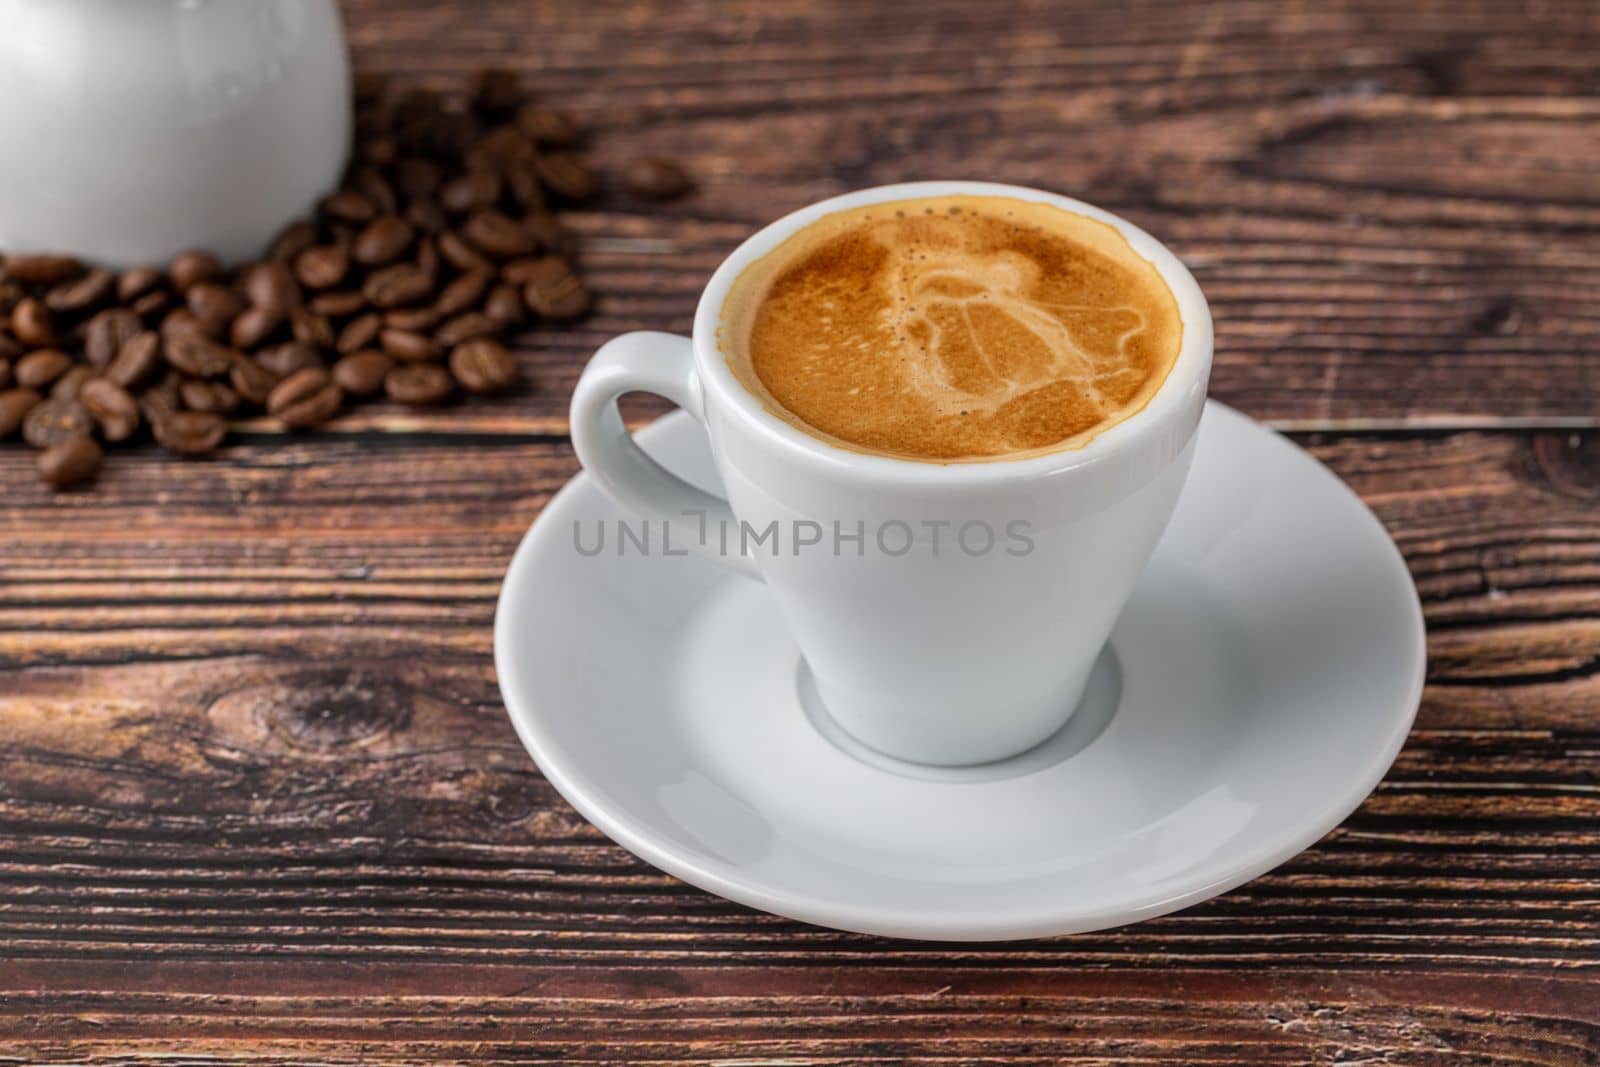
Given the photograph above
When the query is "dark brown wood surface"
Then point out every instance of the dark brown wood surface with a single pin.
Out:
(260, 803)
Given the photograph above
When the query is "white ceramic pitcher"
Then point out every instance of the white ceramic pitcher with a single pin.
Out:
(131, 130)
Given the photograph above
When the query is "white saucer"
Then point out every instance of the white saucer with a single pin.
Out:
(1257, 687)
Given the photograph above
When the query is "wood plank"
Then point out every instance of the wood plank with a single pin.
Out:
(1395, 211)
(828, 1015)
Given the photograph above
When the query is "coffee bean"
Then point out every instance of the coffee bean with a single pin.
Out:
(408, 347)
(347, 205)
(32, 323)
(375, 187)
(198, 395)
(403, 283)
(497, 235)
(427, 216)
(91, 290)
(567, 175)
(463, 293)
(359, 332)
(214, 307)
(482, 366)
(462, 256)
(190, 433)
(70, 384)
(214, 324)
(309, 328)
(554, 291)
(39, 368)
(253, 326)
(182, 320)
(495, 91)
(362, 373)
(197, 355)
(9, 347)
(521, 271)
(547, 125)
(654, 178)
(426, 258)
(193, 394)
(322, 266)
(55, 421)
(136, 282)
(67, 386)
(384, 240)
(107, 332)
(150, 305)
(337, 303)
(179, 321)
(137, 361)
(417, 384)
(503, 306)
(470, 192)
(40, 269)
(420, 319)
(14, 407)
(252, 381)
(72, 462)
(305, 398)
(283, 360)
(550, 236)
(271, 287)
(112, 407)
(192, 268)
(466, 327)
(160, 400)
(10, 293)
(295, 238)
(5, 373)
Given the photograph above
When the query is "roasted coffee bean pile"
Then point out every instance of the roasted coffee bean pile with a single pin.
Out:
(443, 237)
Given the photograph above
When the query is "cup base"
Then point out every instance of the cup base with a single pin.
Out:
(1095, 709)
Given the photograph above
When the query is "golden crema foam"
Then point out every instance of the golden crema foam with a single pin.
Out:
(952, 328)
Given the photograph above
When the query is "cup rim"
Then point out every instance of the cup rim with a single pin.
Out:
(1189, 371)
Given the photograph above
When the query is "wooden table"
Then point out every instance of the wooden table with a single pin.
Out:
(259, 800)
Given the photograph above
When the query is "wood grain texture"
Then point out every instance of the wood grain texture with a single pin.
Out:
(259, 791)
(259, 800)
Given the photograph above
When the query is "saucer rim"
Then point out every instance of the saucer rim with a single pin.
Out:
(589, 798)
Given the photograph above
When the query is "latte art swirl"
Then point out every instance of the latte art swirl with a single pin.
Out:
(953, 329)
(976, 340)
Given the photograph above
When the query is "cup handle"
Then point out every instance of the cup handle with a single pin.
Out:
(663, 364)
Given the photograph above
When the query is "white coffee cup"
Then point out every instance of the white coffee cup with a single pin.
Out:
(938, 654)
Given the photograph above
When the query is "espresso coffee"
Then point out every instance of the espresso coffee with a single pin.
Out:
(953, 329)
